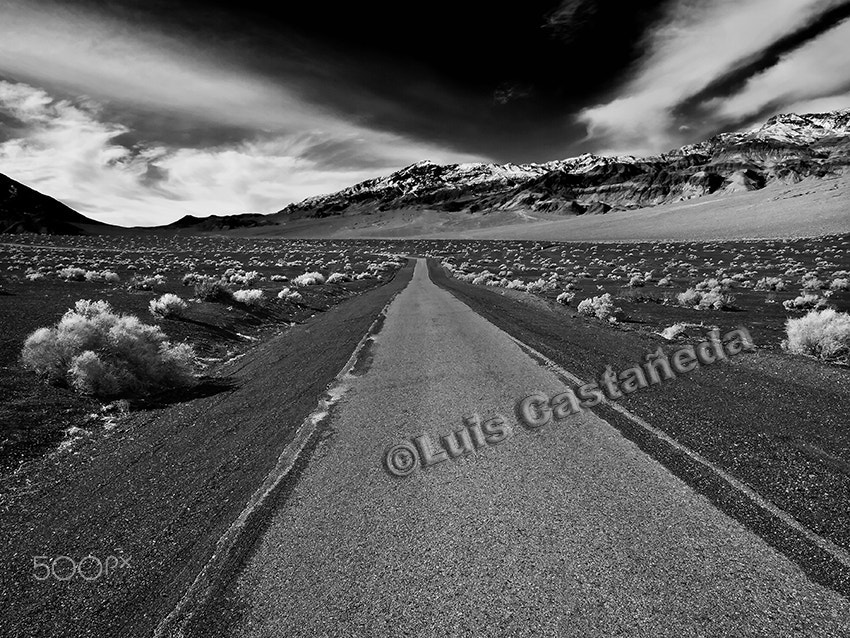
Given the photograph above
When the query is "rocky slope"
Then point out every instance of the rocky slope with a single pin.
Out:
(787, 148)
(24, 210)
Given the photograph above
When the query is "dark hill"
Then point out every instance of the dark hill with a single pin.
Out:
(24, 210)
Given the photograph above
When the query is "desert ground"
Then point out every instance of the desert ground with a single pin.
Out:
(267, 475)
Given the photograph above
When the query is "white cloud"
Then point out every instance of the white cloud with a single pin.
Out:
(70, 49)
(66, 150)
(819, 69)
(696, 44)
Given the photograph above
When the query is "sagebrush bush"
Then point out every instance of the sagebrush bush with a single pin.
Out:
(690, 298)
(146, 282)
(602, 307)
(824, 334)
(169, 305)
(840, 283)
(72, 274)
(337, 278)
(290, 295)
(708, 284)
(309, 279)
(252, 297)
(102, 276)
(708, 299)
(565, 297)
(540, 285)
(241, 277)
(805, 302)
(516, 284)
(717, 300)
(483, 278)
(770, 283)
(209, 289)
(811, 282)
(97, 351)
(192, 278)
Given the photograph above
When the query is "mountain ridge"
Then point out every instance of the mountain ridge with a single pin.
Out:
(786, 148)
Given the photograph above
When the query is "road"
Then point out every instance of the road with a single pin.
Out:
(569, 530)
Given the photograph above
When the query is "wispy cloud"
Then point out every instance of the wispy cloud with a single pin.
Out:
(698, 45)
(67, 48)
(66, 149)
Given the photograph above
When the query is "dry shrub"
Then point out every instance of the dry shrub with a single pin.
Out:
(337, 278)
(602, 307)
(824, 334)
(253, 297)
(97, 351)
(209, 289)
(704, 300)
(290, 295)
(309, 279)
(169, 305)
(805, 301)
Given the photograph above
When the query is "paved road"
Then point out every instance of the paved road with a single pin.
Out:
(566, 531)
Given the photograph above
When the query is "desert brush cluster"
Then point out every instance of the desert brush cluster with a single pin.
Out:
(787, 283)
(192, 289)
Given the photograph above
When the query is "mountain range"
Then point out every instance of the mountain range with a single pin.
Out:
(786, 149)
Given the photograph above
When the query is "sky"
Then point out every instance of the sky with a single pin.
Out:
(139, 112)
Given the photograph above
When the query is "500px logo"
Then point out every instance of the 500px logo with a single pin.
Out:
(65, 568)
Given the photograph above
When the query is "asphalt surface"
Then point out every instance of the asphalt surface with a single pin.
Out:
(570, 530)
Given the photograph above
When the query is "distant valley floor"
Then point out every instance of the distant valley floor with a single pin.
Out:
(809, 208)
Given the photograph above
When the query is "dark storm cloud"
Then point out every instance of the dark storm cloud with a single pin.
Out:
(438, 71)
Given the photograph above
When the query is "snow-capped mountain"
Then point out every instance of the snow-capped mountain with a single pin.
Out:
(786, 148)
